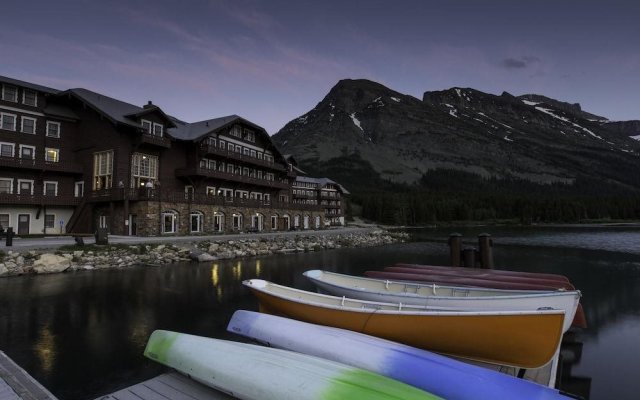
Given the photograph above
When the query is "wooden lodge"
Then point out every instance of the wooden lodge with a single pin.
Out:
(73, 161)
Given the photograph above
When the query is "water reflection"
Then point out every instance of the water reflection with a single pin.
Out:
(91, 327)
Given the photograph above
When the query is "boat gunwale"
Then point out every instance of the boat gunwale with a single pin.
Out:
(400, 308)
(540, 293)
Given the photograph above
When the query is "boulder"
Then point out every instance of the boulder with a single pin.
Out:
(50, 263)
(3, 270)
(206, 257)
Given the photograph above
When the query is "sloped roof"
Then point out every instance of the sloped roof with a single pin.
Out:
(116, 110)
(195, 130)
(57, 110)
(321, 182)
(29, 85)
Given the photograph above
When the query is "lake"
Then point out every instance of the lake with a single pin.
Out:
(82, 334)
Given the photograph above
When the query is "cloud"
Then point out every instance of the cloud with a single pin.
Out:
(520, 63)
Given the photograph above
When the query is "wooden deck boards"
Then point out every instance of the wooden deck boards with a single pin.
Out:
(169, 386)
(17, 384)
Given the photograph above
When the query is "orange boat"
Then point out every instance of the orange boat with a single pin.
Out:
(524, 339)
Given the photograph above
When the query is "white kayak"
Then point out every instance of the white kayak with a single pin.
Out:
(252, 372)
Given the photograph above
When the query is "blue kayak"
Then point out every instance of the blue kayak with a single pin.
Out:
(436, 374)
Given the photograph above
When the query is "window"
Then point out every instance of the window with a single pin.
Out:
(236, 131)
(245, 171)
(254, 154)
(78, 190)
(50, 221)
(169, 221)
(28, 125)
(6, 185)
(223, 144)
(196, 222)
(8, 122)
(157, 129)
(237, 221)
(25, 186)
(266, 198)
(53, 129)
(259, 174)
(226, 192)
(246, 151)
(211, 191)
(260, 156)
(27, 152)
(230, 146)
(4, 221)
(30, 97)
(249, 135)
(146, 126)
(51, 155)
(238, 149)
(268, 158)
(274, 222)
(102, 170)
(10, 93)
(218, 222)
(230, 168)
(50, 188)
(144, 170)
(7, 149)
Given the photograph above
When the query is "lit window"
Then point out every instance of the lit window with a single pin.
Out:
(144, 170)
(53, 129)
(102, 170)
(51, 155)
(30, 97)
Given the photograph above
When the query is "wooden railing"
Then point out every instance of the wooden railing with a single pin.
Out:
(148, 194)
(41, 165)
(213, 150)
(160, 141)
(197, 171)
(38, 199)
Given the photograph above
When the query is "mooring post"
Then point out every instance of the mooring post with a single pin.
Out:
(485, 244)
(455, 249)
(469, 257)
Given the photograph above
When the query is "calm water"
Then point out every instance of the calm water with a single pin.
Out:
(82, 334)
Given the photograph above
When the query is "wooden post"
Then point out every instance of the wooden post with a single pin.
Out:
(485, 244)
(469, 257)
(455, 249)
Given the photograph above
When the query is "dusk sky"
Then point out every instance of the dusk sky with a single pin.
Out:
(272, 61)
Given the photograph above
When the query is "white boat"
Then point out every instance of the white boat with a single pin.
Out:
(252, 372)
(442, 376)
(444, 296)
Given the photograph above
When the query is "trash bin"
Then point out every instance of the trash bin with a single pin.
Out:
(102, 236)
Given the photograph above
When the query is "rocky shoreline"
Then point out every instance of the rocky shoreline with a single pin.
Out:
(73, 258)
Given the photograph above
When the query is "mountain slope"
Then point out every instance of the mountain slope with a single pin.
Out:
(398, 138)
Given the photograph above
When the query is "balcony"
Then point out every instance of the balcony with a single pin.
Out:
(145, 194)
(207, 149)
(304, 196)
(209, 173)
(38, 199)
(154, 140)
(41, 165)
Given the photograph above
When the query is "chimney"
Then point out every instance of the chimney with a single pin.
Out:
(148, 105)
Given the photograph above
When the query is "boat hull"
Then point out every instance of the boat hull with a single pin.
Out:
(439, 269)
(425, 370)
(427, 295)
(520, 339)
(259, 373)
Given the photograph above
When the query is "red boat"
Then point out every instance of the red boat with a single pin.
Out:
(487, 275)
(475, 271)
(414, 275)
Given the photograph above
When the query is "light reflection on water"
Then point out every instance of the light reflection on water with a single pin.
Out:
(91, 327)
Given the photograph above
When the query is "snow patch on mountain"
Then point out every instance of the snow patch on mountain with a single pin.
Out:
(549, 112)
(397, 100)
(356, 121)
(530, 103)
(637, 137)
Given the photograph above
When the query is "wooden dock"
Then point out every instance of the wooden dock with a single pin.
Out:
(17, 384)
(169, 386)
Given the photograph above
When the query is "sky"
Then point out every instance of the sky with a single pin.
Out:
(271, 61)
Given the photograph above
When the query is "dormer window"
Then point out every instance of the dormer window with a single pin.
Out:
(146, 126)
(249, 135)
(157, 129)
(30, 97)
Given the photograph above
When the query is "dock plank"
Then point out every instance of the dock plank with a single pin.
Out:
(169, 386)
(18, 381)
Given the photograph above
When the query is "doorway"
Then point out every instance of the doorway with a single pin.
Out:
(24, 220)
(133, 225)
